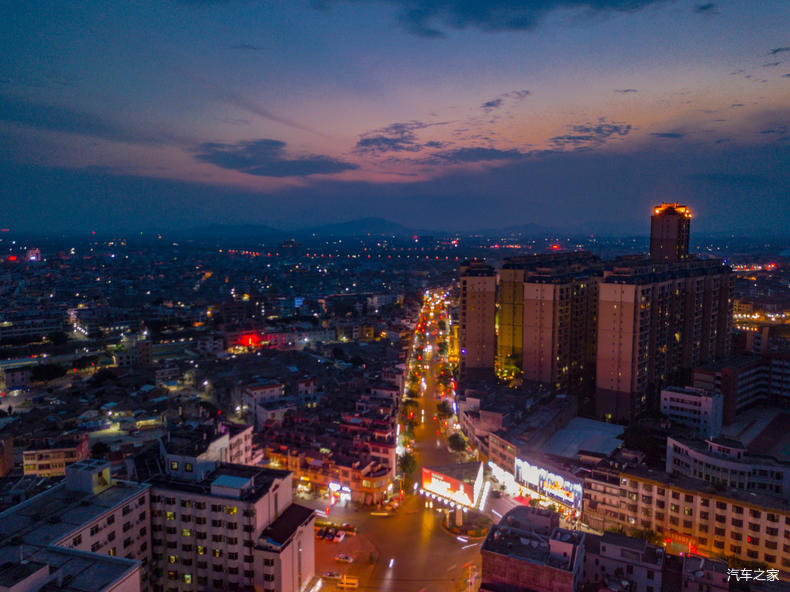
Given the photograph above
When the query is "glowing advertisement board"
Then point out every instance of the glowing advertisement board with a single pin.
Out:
(565, 490)
(447, 487)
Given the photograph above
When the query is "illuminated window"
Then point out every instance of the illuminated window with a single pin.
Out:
(173, 465)
(187, 578)
(186, 532)
(188, 468)
(230, 510)
(217, 552)
(201, 550)
(171, 559)
(170, 515)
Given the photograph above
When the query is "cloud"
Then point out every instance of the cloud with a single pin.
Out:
(247, 47)
(778, 50)
(785, 75)
(267, 158)
(430, 19)
(396, 137)
(61, 119)
(771, 64)
(625, 91)
(489, 106)
(737, 105)
(668, 135)
(589, 135)
(707, 8)
(496, 103)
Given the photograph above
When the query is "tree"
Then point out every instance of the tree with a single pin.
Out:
(99, 450)
(457, 442)
(58, 337)
(47, 372)
(407, 463)
(443, 410)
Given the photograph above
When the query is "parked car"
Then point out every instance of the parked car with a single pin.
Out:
(331, 575)
(343, 558)
(321, 532)
(330, 534)
(340, 536)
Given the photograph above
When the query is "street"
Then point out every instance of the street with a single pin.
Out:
(411, 551)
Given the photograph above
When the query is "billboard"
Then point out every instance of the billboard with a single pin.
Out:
(565, 489)
(447, 487)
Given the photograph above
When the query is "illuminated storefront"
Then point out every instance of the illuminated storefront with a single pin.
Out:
(552, 485)
(455, 485)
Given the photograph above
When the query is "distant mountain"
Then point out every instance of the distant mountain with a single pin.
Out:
(362, 227)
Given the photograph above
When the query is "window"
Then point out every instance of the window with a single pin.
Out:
(188, 467)
(186, 503)
(187, 578)
(171, 559)
(77, 540)
(217, 552)
(170, 515)
(201, 550)
(216, 508)
(173, 465)
(186, 518)
(110, 519)
(172, 575)
(268, 561)
(233, 556)
(187, 532)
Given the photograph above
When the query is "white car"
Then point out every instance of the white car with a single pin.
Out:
(331, 575)
(340, 535)
(343, 558)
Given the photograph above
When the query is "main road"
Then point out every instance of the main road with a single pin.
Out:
(408, 551)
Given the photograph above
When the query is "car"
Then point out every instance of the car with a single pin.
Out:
(343, 558)
(321, 532)
(330, 534)
(340, 536)
(349, 528)
(331, 575)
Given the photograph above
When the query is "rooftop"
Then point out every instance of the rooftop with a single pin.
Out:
(281, 530)
(53, 514)
(255, 481)
(586, 434)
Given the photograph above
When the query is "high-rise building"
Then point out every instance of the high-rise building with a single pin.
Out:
(478, 318)
(669, 233)
(655, 323)
(546, 319)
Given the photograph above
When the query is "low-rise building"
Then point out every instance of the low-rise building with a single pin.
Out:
(697, 408)
(727, 463)
(49, 457)
(625, 558)
(518, 558)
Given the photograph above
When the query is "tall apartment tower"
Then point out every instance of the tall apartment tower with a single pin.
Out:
(655, 321)
(547, 319)
(669, 233)
(477, 335)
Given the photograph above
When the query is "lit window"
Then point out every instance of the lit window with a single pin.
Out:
(170, 515)
(187, 578)
(171, 559)
(186, 532)
(173, 465)
(188, 469)
(217, 552)
(201, 550)
(230, 510)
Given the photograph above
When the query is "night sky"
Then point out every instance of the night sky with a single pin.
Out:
(446, 114)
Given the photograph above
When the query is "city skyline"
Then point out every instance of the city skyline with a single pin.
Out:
(569, 115)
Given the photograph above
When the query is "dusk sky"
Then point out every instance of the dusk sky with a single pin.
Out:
(447, 114)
